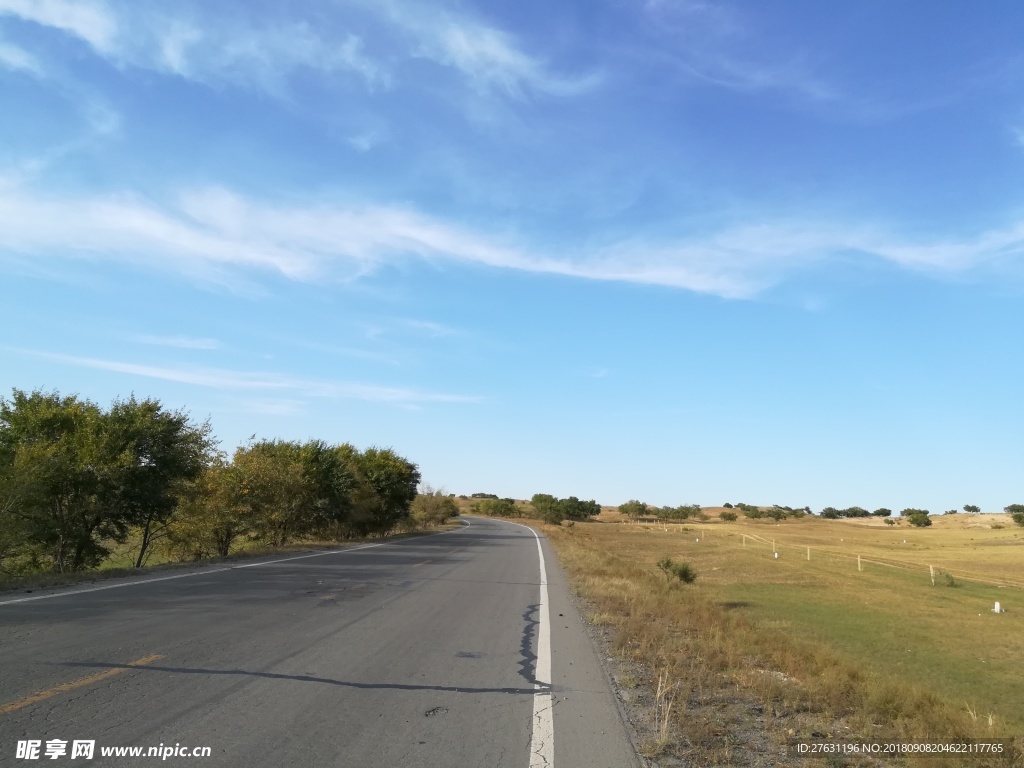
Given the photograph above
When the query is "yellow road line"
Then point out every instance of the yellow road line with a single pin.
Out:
(63, 687)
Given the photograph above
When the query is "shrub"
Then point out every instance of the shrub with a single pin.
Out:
(730, 516)
(682, 572)
(433, 508)
(890, 521)
(919, 520)
(727, 505)
(882, 512)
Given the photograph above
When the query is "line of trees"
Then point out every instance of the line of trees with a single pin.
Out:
(542, 506)
(635, 510)
(77, 480)
(832, 513)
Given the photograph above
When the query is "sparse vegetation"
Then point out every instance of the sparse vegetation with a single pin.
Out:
(677, 572)
(815, 643)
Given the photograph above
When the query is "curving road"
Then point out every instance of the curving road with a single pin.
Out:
(457, 649)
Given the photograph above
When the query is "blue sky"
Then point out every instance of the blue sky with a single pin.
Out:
(674, 250)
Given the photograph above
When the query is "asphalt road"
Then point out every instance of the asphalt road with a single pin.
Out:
(446, 650)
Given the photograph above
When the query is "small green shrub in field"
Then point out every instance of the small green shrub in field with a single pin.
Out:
(682, 572)
(730, 516)
(948, 579)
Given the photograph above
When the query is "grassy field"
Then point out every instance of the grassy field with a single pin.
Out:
(817, 645)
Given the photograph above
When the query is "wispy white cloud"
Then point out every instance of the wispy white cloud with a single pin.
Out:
(256, 381)
(214, 229)
(89, 20)
(180, 342)
(206, 47)
(19, 60)
(711, 42)
(491, 59)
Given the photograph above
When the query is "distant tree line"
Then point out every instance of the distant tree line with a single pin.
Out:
(832, 513)
(775, 512)
(76, 480)
(635, 510)
(542, 506)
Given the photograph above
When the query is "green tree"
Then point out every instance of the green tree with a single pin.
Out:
(911, 512)
(575, 509)
(682, 512)
(971, 509)
(547, 508)
(329, 484)
(1016, 511)
(634, 509)
(149, 454)
(385, 486)
(728, 516)
(212, 515)
(272, 490)
(882, 512)
(919, 520)
(51, 451)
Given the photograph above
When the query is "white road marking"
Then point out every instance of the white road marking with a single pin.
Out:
(215, 570)
(542, 739)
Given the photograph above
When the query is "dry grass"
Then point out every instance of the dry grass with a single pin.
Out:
(795, 647)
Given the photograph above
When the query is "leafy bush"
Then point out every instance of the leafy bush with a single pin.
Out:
(727, 505)
(882, 512)
(682, 572)
(919, 520)
(433, 507)
(729, 516)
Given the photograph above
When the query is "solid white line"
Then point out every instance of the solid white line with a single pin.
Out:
(215, 570)
(542, 738)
